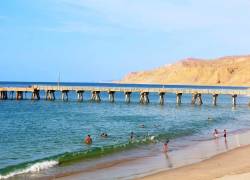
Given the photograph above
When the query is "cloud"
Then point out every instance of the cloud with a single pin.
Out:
(77, 27)
(160, 15)
(111, 17)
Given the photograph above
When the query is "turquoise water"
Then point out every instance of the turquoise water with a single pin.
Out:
(34, 132)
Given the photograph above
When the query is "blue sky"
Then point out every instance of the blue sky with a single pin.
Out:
(102, 40)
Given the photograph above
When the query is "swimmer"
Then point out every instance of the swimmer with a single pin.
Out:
(165, 146)
(104, 135)
(216, 133)
(88, 139)
(142, 126)
(131, 135)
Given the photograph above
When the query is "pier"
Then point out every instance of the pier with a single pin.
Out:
(18, 93)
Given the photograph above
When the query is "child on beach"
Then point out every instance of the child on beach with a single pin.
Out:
(165, 146)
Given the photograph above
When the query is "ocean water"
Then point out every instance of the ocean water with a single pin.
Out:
(43, 135)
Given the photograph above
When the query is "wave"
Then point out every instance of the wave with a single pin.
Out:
(69, 157)
(94, 152)
(38, 166)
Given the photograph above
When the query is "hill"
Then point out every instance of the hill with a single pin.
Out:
(231, 70)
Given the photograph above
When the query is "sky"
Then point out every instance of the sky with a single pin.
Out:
(102, 40)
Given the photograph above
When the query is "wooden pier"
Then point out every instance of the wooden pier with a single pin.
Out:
(49, 91)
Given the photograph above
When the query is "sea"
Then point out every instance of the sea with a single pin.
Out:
(45, 139)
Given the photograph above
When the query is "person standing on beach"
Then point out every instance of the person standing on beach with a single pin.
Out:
(165, 146)
(88, 139)
(225, 133)
(216, 133)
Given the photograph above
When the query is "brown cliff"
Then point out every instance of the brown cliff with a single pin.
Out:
(233, 70)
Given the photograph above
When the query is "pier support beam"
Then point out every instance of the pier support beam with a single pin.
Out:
(194, 97)
(95, 96)
(144, 97)
(215, 99)
(161, 98)
(127, 97)
(50, 95)
(65, 96)
(80, 96)
(3, 95)
(19, 95)
(234, 96)
(141, 98)
(111, 96)
(178, 98)
(199, 98)
(35, 95)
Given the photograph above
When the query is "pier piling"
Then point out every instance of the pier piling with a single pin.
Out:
(234, 96)
(127, 96)
(35, 95)
(19, 95)
(178, 98)
(50, 95)
(95, 96)
(80, 96)
(161, 97)
(141, 97)
(111, 96)
(3, 95)
(144, 97)
(199, 98)
(215, 99)
(65, 96)
(194, 97)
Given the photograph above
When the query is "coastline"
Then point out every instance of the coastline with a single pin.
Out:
(208, 159)
(225, 166)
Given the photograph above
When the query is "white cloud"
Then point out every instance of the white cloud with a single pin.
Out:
(160, 15)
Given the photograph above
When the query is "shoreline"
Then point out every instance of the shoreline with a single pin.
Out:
(175, 163)
(232, 164)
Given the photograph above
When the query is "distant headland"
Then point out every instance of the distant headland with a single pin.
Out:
(226, 71)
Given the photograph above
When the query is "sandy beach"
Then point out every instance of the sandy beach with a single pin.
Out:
(230, 165)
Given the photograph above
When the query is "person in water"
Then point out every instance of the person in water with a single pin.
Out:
(142, 126)
(132, 136)
(105, 135)
(216, 133)
(88, 139)
(165, 146)
(225, 133)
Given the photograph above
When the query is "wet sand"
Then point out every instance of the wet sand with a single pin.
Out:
(231, 165)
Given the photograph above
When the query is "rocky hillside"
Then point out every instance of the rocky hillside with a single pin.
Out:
(233, 70)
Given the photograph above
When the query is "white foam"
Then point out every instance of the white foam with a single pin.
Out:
(31, 169)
